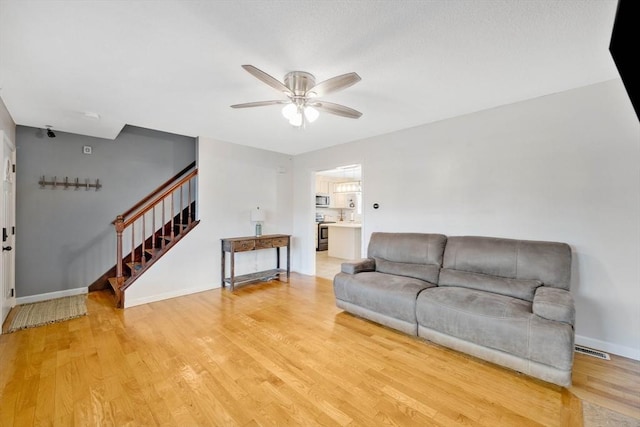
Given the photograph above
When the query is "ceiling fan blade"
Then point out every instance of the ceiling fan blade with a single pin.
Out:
(260, 104)
(333, 84)
(337, 109)
(266, 78)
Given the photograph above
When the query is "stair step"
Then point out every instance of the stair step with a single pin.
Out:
(153, 251)
(134, 266)
(113, 281)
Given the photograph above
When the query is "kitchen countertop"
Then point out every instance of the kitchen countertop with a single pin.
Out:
(346, 224)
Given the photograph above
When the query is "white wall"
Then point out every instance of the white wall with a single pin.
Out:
(233, 179)
(564, 167)
(6, 122)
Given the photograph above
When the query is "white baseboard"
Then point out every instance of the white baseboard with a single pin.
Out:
(620, 350)
(51, 295)
(132, 302)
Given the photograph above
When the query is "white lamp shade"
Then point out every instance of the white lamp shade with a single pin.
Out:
(289, 111)
(257, 214)
(311, 114)
(296, 119)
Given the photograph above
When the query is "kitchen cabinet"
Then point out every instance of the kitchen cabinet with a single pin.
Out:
(323, 186)
(345, 240)
(346, 200)
(339, 200)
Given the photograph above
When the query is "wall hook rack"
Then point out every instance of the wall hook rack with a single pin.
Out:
(76, 184)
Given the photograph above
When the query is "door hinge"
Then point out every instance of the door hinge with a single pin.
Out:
(4, 234)
(12, 292)
(13, 230)
(13, 168)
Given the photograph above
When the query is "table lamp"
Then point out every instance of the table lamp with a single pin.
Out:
(258, 216)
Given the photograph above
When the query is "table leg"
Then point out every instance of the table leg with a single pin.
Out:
(288, 257)
(222, 265)
(233, 268)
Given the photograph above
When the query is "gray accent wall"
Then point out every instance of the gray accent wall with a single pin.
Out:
(64, 238)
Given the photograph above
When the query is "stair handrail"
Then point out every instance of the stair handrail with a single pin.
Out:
(152, 195)
(151, 204)
(145, 205)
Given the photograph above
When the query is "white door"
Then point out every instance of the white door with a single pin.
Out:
(7, 225)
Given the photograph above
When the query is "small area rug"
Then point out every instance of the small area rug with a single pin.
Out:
(597, 416)
(51, 311)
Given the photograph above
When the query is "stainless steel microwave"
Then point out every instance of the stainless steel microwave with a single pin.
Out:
(322, 200)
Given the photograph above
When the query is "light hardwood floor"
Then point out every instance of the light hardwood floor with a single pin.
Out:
(326, 266)
(273, 354)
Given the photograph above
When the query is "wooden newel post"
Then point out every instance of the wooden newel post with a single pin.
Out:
(119, 224)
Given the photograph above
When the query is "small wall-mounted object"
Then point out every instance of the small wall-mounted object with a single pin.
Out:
(65, 184)
(86, 149)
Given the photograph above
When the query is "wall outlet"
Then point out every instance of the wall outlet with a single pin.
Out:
(86, 149)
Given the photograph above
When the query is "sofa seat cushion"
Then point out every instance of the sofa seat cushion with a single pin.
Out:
(496, 321)
(387, 294)
(516, 288)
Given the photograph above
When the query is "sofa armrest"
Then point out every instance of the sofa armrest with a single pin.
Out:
(359, 266)
(554, 304)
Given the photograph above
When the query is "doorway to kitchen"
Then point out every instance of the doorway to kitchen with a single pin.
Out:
(338, 218)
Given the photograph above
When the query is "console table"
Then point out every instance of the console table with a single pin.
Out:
(252, 243)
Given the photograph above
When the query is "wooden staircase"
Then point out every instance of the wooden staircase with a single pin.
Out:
(152, 227)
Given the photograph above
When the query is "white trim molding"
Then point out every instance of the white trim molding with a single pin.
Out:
(620, 350)
(132, 302)
(51, 295)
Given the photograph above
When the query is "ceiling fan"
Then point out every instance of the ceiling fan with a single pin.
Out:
(301, 90)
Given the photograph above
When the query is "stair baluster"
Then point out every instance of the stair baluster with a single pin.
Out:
(173, 224)
(189, 206)
(163, 240)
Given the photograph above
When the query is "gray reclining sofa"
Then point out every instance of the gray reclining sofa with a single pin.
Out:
(502, 300)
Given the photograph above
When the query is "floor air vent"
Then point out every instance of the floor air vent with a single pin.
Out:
(591, 352)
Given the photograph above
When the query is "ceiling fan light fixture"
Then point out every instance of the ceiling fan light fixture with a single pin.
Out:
(301, 90)
(289, 111)
(296, 119)
(311, 114)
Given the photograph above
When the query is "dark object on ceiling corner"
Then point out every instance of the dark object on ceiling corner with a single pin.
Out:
(50, 133)
(624, 47)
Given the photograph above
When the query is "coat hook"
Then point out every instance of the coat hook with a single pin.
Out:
(66, 183)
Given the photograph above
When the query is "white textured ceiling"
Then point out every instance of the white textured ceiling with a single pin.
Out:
(175, 66)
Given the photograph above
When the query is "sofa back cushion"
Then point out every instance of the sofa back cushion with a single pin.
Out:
(546, 262)
(416, 255)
